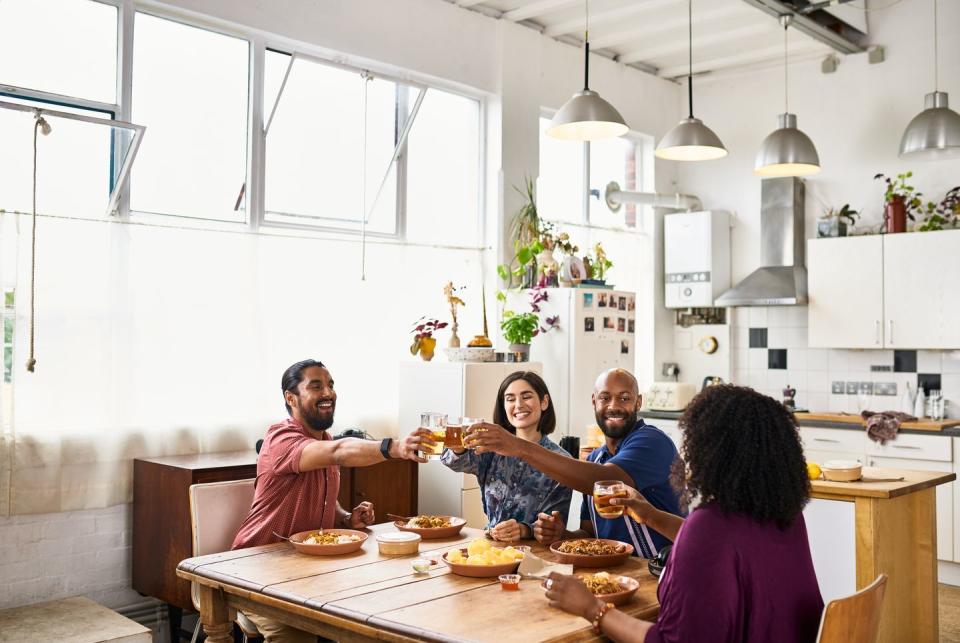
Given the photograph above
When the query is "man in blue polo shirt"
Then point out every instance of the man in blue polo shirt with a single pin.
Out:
(635, 453)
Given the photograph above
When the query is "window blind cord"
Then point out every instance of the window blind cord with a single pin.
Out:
(40, 125)
(363, 183)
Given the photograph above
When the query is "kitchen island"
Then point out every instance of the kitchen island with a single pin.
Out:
(895, 527)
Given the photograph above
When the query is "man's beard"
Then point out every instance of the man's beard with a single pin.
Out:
(616, 433)
(314, 420)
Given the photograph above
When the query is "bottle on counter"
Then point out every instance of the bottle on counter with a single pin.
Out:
(919, 403)
(906, 400)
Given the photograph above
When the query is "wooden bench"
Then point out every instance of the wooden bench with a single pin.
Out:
(76, 619)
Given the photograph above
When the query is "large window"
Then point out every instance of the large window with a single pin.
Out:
(190, 90)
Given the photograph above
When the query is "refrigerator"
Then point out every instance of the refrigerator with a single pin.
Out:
(595, 331)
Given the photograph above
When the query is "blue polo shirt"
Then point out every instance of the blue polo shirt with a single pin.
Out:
(646, 454)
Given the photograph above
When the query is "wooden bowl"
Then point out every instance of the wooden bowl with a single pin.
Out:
(480, 571)
(328, 550)
(631, 585)
(842, 470)
(430, 533)
(586, 560)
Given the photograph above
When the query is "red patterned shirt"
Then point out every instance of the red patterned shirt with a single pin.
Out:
(285, 499)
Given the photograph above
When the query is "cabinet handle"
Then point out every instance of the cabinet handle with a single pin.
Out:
(878, 326)
(901, 446)
(890, 331)
(826, 440)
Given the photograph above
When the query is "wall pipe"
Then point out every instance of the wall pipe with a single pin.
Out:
(615, 197)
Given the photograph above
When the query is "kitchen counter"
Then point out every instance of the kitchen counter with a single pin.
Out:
(912, 482)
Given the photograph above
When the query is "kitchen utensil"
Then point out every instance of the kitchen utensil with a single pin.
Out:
(842, 470)
(711, 380)
(396, 517)
(430, 533)
(398, 543)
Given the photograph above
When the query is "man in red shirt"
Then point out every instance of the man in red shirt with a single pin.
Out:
(298, 473)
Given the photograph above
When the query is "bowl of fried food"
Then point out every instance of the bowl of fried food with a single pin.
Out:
(609, 588)
(430, 527)
(591, 552)
(480, 559)
(328, 542)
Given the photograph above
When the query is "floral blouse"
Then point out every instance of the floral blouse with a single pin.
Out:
(510, 487)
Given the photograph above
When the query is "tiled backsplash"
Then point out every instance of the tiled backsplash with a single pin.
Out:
(770, 352)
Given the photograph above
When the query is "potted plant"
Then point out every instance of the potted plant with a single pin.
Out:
(525, 230)
(596, 266)
(901, 202)
(450, 292)
(519, 329)
(834, 222)
(423, 339)
(945, 214)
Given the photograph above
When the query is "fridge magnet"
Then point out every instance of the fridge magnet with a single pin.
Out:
(602, 300)
(588, 324)
(631, 303)
(621, 324)
(624, 346)
(588, 300)
(623, 303)
(630, 327)
(608, 323)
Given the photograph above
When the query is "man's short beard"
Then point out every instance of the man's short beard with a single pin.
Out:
(629, 421)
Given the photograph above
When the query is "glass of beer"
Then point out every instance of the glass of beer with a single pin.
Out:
(467, 423)
(436, 423)
(603, 491)
(453, 438)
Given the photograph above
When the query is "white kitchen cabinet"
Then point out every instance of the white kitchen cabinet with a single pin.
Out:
(845, 291)
(884, 291)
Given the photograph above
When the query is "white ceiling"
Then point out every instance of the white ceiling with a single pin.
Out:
(652, 34)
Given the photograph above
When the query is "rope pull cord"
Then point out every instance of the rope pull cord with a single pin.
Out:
(785, 20)
(586, 48)
(690, 56)
(367, 77)
(936, 53)
(41, 126)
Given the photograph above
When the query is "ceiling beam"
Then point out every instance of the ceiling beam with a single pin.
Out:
(615, 38)
(676, 46)
(745, 58)
(849, 41)
(468, 3)
(607, 16)
(536, 9)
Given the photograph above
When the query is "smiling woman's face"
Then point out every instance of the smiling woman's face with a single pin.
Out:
(522, 405)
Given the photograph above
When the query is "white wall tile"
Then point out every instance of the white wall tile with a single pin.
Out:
(797, 359)
(740, 378)
(777, 381)
(797, 378)
(741, 360)
(758, 317)
(741, 336)
(838, 403)
(797, 317)
(778, 316)
(796, 338)
(777, 337)
(757, 359)
(816, 402)
(950, 384)
(819, 381)
(757, 380)
(818, 359)
(838, 360)
(951, 361)
(929, 361)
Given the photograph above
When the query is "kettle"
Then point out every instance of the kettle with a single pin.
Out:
(711, 380)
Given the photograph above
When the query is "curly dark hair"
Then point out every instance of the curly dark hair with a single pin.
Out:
(548, 418)
(742, 451)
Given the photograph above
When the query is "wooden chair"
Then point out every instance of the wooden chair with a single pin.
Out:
(854, 618)
(217, 509)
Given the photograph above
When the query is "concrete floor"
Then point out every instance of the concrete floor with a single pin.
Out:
(949, 614)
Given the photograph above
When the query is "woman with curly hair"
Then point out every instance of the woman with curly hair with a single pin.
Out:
(740, 569)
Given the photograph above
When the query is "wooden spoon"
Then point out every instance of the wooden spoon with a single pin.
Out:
(396, 517)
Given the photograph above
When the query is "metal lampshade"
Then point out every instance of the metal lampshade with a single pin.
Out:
(690, 140)
(934, 133)
(587, 117)
(787, 151)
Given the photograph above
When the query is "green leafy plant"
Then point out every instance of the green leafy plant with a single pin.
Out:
(846, 214)
(945, 214)
(519, 328)
(597, 264)
(899, 188)
(526, 230)
(424, 328)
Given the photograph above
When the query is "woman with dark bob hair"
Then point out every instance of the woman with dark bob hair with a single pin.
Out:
(740, 569)
(513, 492)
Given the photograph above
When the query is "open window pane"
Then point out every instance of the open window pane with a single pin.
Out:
(190, 90)
(560, 184)
(315, 165)
(64, 47)
(620, 160)
(443, 171)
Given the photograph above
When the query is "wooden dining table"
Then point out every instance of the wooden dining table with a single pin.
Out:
(366, 596)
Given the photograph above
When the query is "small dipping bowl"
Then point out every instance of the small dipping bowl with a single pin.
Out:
(420, 565)
(398, 543)
(509, 582)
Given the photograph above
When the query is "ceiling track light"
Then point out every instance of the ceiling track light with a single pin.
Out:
(786, 151)
(587, 116)
(690, 139)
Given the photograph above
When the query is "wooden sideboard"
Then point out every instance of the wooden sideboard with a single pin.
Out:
(161, 511)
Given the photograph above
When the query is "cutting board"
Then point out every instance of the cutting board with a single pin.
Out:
(919, 425)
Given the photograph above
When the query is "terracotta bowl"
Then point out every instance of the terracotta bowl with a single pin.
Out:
(328, 550)
(631, 585)
(480, 571)
(586, 560)
(456, 524)
(842, 470)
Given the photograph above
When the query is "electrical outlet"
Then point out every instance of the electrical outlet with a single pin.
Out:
(852, 388)
(880, 368)
(837, 388)
(884, 388)
(866, 387)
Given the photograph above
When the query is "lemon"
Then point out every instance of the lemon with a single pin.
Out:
(813, 470)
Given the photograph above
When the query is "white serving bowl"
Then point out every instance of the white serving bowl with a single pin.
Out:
(842, 470)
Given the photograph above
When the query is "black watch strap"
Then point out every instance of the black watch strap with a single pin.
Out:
(385, 448)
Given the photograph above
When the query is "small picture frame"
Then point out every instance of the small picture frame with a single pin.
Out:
(623, 303)
(588, 300)
(621, 324)
(588, 324)
(630, 326)
(608, 323)
(602, 300)
(631, 303)
(624, 346)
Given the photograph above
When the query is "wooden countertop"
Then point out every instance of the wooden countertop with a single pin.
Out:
(912, 481)
(923, 424)
(206, 460)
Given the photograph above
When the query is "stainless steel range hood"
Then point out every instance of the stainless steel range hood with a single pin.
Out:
(781, 279)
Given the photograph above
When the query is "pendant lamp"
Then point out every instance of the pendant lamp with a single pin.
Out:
(690, 139)
(586, 116)
(934, 133)
(787, 151)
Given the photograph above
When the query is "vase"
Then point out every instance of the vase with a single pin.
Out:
(427, 345)
(454, 338)
(521, 352)
(895, 215)
(547, 269)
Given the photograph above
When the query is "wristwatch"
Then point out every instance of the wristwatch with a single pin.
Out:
(385, 448)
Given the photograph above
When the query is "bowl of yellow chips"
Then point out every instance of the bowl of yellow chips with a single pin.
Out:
(480, 559)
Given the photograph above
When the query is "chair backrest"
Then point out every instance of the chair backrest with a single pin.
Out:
(854, 618)
(217, 509)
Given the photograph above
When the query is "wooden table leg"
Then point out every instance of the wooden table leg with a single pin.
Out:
(215, 616)
(898, 537)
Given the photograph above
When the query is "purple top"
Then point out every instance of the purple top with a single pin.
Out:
(730, 578)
